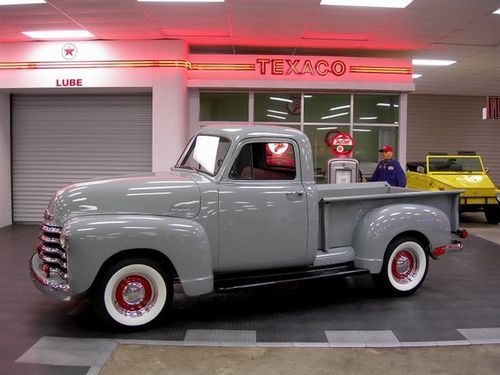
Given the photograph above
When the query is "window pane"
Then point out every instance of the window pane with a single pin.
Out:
(321, 152)
(367, 142)
(327, 108)
(264, 161)
(277, 107)
(223, 106)
(376, 109)
(206, 154)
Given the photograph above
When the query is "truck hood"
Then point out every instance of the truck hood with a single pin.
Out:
(481, 184)
(167, 194)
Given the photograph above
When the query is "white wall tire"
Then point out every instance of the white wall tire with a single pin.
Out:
(133, 293)
(405, 266)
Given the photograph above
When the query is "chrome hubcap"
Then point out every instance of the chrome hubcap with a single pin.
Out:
(133, 293)
(404, 267)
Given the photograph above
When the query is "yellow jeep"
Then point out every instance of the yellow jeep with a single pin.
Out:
(461, 171)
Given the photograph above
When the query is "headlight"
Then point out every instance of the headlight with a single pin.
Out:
(64, 237)
(498, 197)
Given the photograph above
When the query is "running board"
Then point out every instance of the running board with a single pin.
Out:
(227, 283)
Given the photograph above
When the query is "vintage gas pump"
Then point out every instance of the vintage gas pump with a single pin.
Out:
(341, 169)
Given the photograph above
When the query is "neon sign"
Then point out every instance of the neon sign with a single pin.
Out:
(301, 67)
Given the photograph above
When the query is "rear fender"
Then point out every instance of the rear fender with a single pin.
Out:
(378, 227)
(95, 239)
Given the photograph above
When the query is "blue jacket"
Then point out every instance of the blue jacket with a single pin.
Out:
(390, 171)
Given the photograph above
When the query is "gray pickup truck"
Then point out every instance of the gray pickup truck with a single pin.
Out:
(240, 209)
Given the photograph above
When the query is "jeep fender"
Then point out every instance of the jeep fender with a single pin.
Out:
(95, 239)
(378, 227)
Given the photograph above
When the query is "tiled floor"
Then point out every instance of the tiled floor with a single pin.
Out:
(459, 302)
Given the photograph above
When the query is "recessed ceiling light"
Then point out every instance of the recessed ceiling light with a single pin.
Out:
(21, 2)
(432, 62)
(497, 11)
(415, 76)
(369, 3)
(180, 1)
(59, 34)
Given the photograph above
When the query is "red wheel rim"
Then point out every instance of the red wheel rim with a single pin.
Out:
(133, 293)
(403, 266)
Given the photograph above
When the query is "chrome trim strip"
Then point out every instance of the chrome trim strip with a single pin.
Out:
(46, 228)
(44, 238)
(57, 261)
(52, 250)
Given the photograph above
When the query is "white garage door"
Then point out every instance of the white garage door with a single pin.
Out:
(57, 140)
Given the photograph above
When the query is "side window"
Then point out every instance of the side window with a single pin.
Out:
(264, 161)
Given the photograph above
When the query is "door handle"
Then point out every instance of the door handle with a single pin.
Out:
(295, 194)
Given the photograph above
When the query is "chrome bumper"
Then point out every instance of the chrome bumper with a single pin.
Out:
(53, 286)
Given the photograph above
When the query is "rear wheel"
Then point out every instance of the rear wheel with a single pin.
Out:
(405, 266)
(133, 293)
(492, 214)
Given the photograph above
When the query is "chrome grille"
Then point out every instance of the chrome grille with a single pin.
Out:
(50, 252)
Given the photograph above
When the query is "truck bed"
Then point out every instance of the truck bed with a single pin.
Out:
(343, 205)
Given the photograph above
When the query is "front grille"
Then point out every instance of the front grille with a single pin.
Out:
(50, 252)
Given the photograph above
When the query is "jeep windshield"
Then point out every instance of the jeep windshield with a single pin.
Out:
(455, 164)
(206, 154)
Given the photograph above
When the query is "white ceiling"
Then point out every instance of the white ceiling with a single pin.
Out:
(462, 30)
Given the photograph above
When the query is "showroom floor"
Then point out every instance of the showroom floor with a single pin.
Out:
(459, 304)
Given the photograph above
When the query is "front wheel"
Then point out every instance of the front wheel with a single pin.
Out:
(405, 266)
(133, 293)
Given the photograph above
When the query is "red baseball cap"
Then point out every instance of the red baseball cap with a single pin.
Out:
(386, 148)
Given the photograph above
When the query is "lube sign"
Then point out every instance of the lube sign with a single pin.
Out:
(284, 67)
(69, 82)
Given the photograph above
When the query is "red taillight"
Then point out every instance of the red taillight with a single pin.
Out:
(438, 251)
(463, 234)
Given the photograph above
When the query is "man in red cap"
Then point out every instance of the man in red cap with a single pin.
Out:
(388, 169)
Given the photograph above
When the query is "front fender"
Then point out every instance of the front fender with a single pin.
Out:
(380, 226)
(94, 239)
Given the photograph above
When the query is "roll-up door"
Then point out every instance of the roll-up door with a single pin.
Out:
(57, 140)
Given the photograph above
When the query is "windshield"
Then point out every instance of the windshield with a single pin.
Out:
(206, 154)
(454, 164)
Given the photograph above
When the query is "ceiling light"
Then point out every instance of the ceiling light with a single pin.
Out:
(362, 130)
(432, 62)
(274, 116)
(369, 118)
(497, 11)
(336, 115)
(341, 107)
(180, 1)
(21, 2)
(415, 76)
(281, 99)
(278, 112)
(383, 104)
(59, 34)
(328, 128)
(369, 3)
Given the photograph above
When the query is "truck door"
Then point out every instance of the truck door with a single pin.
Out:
(263, 210)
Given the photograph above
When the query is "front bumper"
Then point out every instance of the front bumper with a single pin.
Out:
(53, 286)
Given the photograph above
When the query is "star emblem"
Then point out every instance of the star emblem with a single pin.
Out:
(69, 51)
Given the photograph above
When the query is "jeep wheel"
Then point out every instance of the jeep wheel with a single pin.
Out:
(133, 293)
(404, 268)
(492, 214)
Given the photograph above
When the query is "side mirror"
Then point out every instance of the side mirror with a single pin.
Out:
(487, 170)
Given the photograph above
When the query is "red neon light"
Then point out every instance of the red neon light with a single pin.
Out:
(273, 67)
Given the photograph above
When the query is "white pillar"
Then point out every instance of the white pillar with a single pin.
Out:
(169, 117)
(403, 129)
(5, 173)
